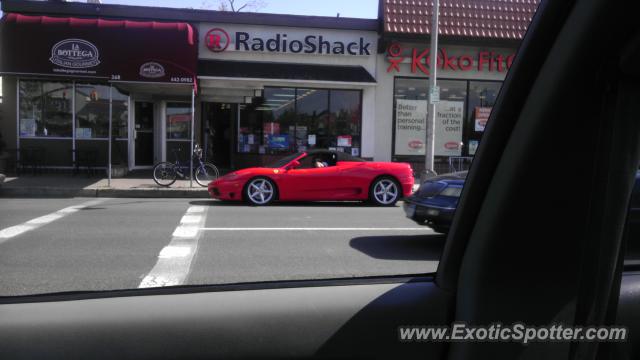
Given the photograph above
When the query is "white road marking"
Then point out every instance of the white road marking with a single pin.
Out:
(317, 229)
(13, 231)
(174, 260)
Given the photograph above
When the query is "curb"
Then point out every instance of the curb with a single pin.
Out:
(98, 192)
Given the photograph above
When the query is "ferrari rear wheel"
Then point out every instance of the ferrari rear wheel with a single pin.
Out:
(260, 191)
(384, 192)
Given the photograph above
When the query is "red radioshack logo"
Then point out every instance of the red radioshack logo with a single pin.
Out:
(217, 40)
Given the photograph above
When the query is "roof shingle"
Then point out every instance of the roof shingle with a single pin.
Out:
(495, 19)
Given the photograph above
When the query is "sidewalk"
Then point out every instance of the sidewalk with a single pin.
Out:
(135, 185)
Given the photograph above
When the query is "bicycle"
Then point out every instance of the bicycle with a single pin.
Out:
(166, 173)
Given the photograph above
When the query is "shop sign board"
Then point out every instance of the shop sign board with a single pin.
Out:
(410, 129)
(100, 49)
(218, 38)
(482, 116)
(448, 128)
(449, 59)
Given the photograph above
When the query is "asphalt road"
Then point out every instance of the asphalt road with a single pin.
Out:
(53, 245)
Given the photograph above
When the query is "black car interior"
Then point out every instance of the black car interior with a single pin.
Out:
(523, 247)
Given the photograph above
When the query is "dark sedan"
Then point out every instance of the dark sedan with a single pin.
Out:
(435, 201)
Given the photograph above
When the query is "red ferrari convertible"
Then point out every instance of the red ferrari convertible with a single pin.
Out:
(317, 175)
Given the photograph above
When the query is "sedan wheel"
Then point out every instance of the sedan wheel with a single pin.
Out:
(260, 191)
(385, 192)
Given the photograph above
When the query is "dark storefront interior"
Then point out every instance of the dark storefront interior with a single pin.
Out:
(282, 121)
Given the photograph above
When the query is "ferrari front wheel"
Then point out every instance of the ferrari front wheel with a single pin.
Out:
(260, 191)
(384, 192)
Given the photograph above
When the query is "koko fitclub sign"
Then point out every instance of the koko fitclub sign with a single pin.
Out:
(420, 61)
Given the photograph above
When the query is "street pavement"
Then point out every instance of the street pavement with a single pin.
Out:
(77, 244)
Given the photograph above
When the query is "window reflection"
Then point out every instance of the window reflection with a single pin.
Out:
(92, 111)
(45, 109)
(290, 119)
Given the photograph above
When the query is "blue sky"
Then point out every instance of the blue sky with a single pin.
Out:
(346, 8)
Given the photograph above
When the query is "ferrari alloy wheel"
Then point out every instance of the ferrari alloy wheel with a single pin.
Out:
(385, 192)
(260, 191)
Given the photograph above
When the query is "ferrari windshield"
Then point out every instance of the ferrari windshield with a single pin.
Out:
(284, 161)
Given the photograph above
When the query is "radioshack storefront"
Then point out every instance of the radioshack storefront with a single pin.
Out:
(75, 88)
(267, 91)
(469, 78)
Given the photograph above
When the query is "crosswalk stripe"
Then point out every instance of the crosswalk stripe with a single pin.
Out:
(174, 260)
(13, 231)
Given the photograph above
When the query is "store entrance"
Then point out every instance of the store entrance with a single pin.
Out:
(143, 133)
(219, 119)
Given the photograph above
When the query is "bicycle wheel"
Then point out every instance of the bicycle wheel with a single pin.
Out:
(206, 173)
(164, 173)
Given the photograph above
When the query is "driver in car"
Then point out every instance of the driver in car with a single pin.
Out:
(318, 163)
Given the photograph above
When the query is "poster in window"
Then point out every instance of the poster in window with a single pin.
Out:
(448, 128)
(344, 140)
(482, 116)
(473, 146)
(411, 131)
(355, 151)
(312, 139)
(271, 128)
(279, 141)
(28, 127)
(178, 126)
(301, 132)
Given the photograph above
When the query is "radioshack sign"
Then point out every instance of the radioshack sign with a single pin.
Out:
(231, 38)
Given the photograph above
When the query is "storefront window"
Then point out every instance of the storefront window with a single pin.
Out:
(313, 128)
(178, 121)
(290, 119)
(450, 116)
(346, 115)
(278, 120)
(482, 97)
(92, 111)
(45, 108)
(250, 130)
(411, 110)
(119, 114)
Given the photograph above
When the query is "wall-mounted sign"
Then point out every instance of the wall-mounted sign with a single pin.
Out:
(152, 70)
(115, 50)
(411, 131)
(75, 54)
(283, 40)
(482, 116)
(448, 128)
(448, 60)
(344, 140)
(217, 40)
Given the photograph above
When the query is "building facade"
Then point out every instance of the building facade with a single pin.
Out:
(254, 86)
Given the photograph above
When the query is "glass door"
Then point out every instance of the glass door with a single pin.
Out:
(178, 127)
(143, 133)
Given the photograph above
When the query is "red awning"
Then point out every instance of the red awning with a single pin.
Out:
(119, 50)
